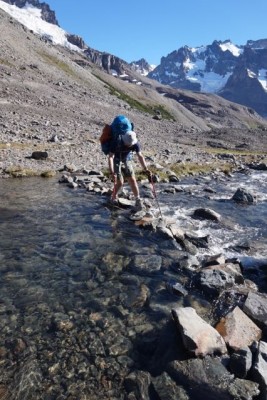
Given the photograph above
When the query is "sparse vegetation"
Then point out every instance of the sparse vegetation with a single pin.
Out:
(52, 60)
(137, 104)
(5, 62)
(186, 169)
(48, 174)
(20, 172)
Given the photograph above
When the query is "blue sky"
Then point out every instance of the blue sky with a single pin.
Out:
(151, 29)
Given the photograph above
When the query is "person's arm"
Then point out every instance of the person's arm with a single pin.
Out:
(142, 161)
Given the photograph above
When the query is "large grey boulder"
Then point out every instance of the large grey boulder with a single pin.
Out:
(260, 368)
(256, 307)
(198, 336)
(238, 330)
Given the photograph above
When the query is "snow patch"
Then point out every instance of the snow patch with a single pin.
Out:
(236, 51)
(262, 77)
(209, 81)
(30, 17)
(251, 74)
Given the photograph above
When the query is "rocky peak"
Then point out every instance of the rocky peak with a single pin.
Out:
(47, 14)
(222, 68)
(141, 66)
(257, 44)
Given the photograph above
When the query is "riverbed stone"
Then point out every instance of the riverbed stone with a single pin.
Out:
(243, 389)
(198, 336)
(206, 213)
(136, 296)
(241, 362)
(243, 196)
(176, 288)
(166, 388)
(238, 330)
(216, 259)
(204, 378)
(114, 263)
(61, 322)
(198, 241)
(260, 368)
(256, 307)
(213, 281)
(189, 262)
(147, 263)
(138, 383)
(233, 270)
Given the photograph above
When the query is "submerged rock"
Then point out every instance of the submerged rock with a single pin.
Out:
(166, 388)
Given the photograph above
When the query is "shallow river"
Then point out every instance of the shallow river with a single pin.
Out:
(75, 279)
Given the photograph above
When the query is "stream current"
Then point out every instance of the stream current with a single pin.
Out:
(82, 293)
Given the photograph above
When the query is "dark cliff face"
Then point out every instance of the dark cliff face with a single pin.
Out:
(244, 88)
(77, 41)
(236, 73)
(47, 14)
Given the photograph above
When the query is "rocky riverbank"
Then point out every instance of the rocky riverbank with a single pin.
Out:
(214, 350)
(126, 310)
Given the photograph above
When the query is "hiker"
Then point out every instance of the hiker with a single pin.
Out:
(121, 166)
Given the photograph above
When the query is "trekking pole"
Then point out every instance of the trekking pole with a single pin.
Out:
(155, 195)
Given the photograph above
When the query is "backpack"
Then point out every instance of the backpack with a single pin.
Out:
(112, 134)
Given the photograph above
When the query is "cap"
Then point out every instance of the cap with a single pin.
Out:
(129, 138)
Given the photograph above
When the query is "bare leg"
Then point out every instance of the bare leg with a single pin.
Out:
(118, 184)
(133, 184)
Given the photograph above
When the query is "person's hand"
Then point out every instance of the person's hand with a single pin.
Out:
(112, 177)
(148, 174)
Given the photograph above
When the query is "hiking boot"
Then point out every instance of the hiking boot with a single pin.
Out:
(113, 202)
(138, 205)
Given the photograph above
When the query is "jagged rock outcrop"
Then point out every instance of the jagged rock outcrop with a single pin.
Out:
(77, 41)
(47, 14)
(105, 60)
(141, 66)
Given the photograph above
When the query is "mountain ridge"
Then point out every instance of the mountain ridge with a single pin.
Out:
(52, 90)
(216, 69)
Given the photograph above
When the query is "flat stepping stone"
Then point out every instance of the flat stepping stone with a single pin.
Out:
(137, 216)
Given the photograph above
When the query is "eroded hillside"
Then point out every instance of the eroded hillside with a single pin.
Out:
(48, 91)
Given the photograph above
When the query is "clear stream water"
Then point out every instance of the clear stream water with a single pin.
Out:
(64, 255)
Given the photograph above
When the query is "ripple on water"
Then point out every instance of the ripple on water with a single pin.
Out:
(85, 289)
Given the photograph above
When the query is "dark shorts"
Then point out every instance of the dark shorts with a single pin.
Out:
(123, 168)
